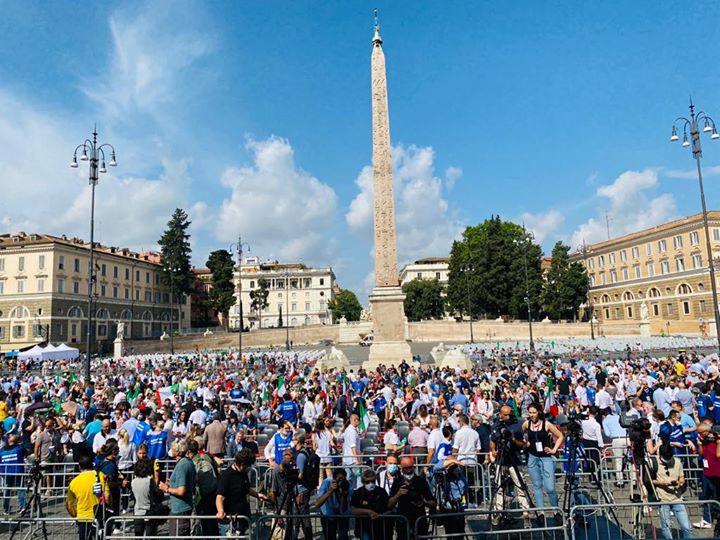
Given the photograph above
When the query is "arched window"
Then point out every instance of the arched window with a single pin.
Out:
(75, 312)
(605, 298)
(627, 296)
(102, 313)
(654, 292)
(147, 316)
(293, 321)
(20, 312)
(126, 314)
(164, 316)
(684, 288)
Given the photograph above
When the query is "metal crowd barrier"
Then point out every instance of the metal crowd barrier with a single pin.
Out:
(639, 521)
(62, 528)
(130, 527)
(511, 523)
(293, 526)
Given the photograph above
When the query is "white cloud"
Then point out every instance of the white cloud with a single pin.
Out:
(452, 175)
(543, 225)
(284, 212)
(632, 208)
(692, 174)
(152, 49)
(425, 224)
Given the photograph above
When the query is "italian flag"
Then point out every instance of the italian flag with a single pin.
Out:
(281, 386)
(162, 394)
(265, 394)
(550, 405)
(364, 418)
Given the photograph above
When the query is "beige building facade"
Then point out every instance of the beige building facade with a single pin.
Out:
(428, 268)
(664, 268)
(298, 292)
(44, 293)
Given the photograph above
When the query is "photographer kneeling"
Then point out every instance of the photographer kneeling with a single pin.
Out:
(333, 500)
(233, 489)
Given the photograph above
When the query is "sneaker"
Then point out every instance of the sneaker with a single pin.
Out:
(702, 524)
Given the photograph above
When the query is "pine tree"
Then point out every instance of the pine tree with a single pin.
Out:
(222, 294)
(176, 251)
(259, 298)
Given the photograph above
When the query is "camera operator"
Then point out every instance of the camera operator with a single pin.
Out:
(543, 442)
(289, 495)
(506, 445)
(669, 482)
(411, 493)
(234, 486)
(333, 500)
(369, 501)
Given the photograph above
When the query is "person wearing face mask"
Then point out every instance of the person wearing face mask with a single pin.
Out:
(392, 470)
(669, 481)
(334, 500)
(368, 503)
(411, 494)
(277, 444)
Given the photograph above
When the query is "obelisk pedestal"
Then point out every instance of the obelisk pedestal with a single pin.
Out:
(389, 344)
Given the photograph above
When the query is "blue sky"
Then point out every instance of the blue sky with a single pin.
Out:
(255, 118)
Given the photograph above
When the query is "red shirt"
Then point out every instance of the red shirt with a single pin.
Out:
(711, 464)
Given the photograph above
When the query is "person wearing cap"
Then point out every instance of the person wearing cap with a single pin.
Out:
(367, 504)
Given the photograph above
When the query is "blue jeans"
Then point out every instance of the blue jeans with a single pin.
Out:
(709, 493)
(682, 518)
(352, 478)
(542, 476)
(13, 484)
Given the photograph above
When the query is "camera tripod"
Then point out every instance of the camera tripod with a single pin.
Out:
(33, 506)
(572, 481)
(454, 525)
(289, 505)
(636, 457)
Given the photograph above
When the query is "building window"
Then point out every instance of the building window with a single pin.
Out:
(147, 277)
(127, 274)
(664, 267)
(697, 260)
(18, 331)
(293, 307)
(280, 295)
(592, 280)
(2, 287)
(76, 287)
(437, 276)
(137, 275)
(591, 264)
(2, 332)
(76, 265)
(102, 330)
(21, 264)
(611, 258)
(629, 312)
(701, 306)
(607, 313)
(668, 309)
(20, 286)
(650, 269)
(41, 262)
(137, 295)
(636, 269)
(602, 278)
(601, 261)
(656, 310)
(115, 292)
(307, 306)
(148, 296)
(252, 284)
(115, 272)
(2, 264)
(716, 235)
(623, 255)
(662, 246)
(322, 281)
(648, 249)
(686, 307)
(680, 264)
(419, 275)
(103, 290)
(40, 285)
(157, 279)
(694, 238)
(127, 293)
(103, 270)
(677, 242)
(636, 253)
(626, 274)
(613, 276)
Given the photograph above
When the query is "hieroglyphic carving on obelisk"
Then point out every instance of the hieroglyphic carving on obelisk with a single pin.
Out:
(387, 299)
(386, 271)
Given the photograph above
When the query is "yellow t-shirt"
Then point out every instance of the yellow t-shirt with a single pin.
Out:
(3, 411)
(80, 494)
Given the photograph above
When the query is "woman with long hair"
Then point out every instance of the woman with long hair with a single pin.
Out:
(180, 426)
(322, 441)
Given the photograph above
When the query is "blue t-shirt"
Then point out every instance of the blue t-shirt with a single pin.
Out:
(236, 394)
(332, 505)
(157, 445)
(289, 411)
(281, 444)
(443, 450)
(141, 431)
(9, 423)
(379, 404)
(92, 429)
(459, 399)
(703, 406)
(12, 460)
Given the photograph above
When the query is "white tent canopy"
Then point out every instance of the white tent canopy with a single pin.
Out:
(50, 352)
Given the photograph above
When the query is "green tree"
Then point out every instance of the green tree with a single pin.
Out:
(566, 285)
(175, 250)
(345, 304)
(281, 323)
(424, 299)
(222, 294)
(259, 298)
(487, 275)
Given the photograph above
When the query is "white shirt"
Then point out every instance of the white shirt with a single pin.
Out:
(199, 417)
(592, 431)
(351, 439)
(467, 444)
(100, 439)
(391, 439)
(603, 400)
(581, 396)
(322, 441)
(309, 413)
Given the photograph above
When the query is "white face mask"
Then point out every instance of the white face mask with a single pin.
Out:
(370, 486)
(409, 476)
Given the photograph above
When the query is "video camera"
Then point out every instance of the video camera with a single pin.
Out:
(638, 431)
(574, 426)
(290, 473)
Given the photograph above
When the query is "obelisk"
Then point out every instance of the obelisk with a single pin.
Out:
(389, 344)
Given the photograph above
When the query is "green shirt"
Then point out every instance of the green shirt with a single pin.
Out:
(183, 475)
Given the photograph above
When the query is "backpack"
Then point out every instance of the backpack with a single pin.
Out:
(206, 478)
(311, 472)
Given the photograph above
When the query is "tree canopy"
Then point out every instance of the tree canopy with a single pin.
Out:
(222, 294)
(424, 299)
(176, 251)
(345, 304)
(259, 298)
(566, 285)
(492, 268)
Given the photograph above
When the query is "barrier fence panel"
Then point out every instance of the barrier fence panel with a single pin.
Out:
(129, 527)
(641, 521)
(330, 527)
(540, 524)
(52, 528)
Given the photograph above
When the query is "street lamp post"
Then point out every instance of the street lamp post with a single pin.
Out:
(239, 248)
(527, 291)
(585, 250)
(708, 127)
(467, 285)
(171, 270)
(287, 310)
(94, 153)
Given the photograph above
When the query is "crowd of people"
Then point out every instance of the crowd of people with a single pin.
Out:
(186, 436)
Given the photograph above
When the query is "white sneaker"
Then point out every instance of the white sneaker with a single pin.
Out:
(702, 524)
